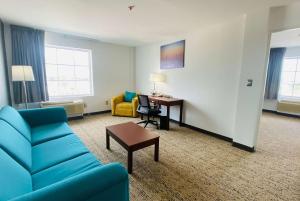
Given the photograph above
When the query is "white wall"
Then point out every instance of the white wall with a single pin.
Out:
(217, 97)
(208, 82)
(254, 65)
(259, 26)
(3, 82)
(113, 67)
(285, 17)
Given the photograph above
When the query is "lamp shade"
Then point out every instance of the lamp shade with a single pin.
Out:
(157, 77)
(22, 73)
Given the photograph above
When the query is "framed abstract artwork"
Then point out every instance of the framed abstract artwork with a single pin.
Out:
(172, 55)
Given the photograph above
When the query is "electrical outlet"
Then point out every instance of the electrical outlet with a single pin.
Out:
(106, 102)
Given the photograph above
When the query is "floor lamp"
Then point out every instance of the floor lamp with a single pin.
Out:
(22, 74)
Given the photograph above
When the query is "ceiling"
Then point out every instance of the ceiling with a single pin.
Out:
(110, 20)
(288, 38)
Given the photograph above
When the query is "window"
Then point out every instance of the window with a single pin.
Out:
(290, 79)
(69, 72)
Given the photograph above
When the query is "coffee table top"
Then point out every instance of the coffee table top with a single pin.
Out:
(131, 134)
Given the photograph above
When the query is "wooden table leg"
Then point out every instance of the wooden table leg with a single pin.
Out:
(129, 162)
(156, 150)
(168, 117)
(180, 116)
(107, 140)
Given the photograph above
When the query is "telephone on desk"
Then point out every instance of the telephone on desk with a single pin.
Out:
(161, 95)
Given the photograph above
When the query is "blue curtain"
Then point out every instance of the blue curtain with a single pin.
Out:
(274, 72)
(28, 48)
(3, 50)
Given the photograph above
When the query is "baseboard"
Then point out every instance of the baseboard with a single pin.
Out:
(281, 113)
(99, 112)
(243, 147)
(216, 135)
(88, 114)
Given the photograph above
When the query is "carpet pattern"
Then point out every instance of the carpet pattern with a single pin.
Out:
(195, 166)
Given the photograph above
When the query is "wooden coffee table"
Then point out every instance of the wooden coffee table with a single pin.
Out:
(132, 137)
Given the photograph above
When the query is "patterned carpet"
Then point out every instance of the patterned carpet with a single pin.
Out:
(195, 166)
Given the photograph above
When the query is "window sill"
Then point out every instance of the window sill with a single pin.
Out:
(289, 99)
(70, 98)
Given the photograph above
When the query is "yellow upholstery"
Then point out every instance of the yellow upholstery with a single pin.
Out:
(121, 108)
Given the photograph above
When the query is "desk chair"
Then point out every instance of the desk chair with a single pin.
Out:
(144, 108)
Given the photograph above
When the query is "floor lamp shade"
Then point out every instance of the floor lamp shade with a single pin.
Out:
(22, 73)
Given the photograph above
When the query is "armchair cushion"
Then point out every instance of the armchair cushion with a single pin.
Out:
(48, 132)
(129, 96)
(124, 109)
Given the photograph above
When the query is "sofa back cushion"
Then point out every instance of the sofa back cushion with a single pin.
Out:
(12, 116)
(15, 180)
(15, 145)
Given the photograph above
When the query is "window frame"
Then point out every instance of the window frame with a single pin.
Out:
(90, 67)
(290, 98)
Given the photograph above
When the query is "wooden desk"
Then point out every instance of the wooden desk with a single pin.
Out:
(168, 102)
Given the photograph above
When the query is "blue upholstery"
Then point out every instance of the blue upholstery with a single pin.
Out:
(128, 96)
(15, 180)
(42, 116)
(65, 170)
(15, 145)
(108, 183)
(41, 159)
(48, 132)
(56, 151)
(11, 116)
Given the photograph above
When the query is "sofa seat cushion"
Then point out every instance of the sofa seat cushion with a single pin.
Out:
(15, 180)
(64, 170)
(48, 132)
(56, 151)
(12, 116)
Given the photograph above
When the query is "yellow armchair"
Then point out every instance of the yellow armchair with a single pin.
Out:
(121, 108)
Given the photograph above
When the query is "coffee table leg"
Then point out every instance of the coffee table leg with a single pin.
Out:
(107, 141)
(129, 162)
(156, 150)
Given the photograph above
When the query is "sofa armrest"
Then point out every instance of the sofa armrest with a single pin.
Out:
(114, 101)
(135, 103)
(107, 182)
(41, 116)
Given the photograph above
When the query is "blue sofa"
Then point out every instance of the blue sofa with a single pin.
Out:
(42, 159)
